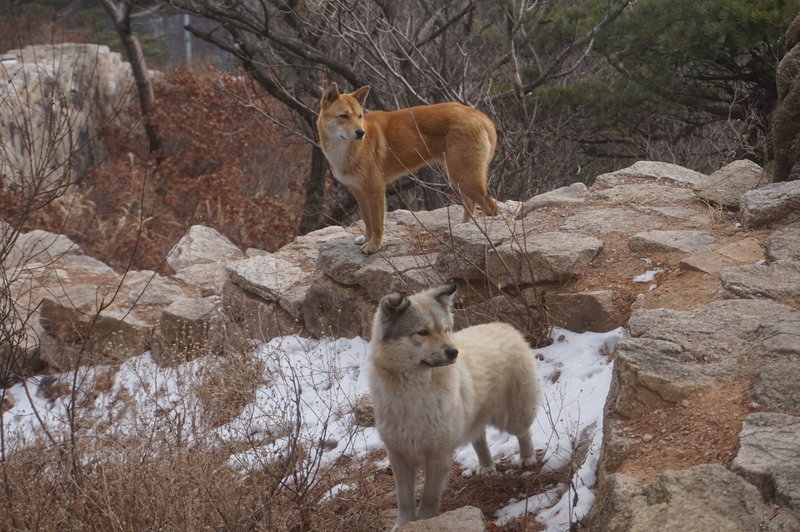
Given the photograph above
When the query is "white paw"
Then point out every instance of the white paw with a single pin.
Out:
(360, 239)
(486, 470)
(528, 462)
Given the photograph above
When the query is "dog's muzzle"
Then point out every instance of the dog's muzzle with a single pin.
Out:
(359, 134)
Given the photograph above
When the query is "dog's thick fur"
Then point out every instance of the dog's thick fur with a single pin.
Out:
(434, 390)
(368, 151)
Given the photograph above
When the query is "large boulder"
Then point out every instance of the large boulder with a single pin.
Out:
(685, 241)
(776, 388)
(771, 203)
(786, 121)
(60, 93)
(726, 186)
(202, 245)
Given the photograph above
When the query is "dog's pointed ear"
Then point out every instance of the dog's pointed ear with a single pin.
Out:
(330, 95)
(361, 95)
(394, 304)
(444, 294)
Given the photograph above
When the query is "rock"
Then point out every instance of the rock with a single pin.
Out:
(771, 203)
(686, 241)
(688, 217)
(202, 245)
(575, 193)
(463, 254)
(107, 335)
(769, 457)
(398, 274)
(39, 246)
(541, 257)
(784, 244)
(464, 519)
(726, 186)
(85, 264)
(189, 328)
(647, 194)
(713, 261)
(152, 289)
(204, 279)
(650, 170)
(332, 309)
(613, 220)
(303, 251)
(583, 311)
(82, 87)
(258, 318)
(436, 220)
(779, 280)
(618, 498)
(776, 388)
(672, 354)
(341, 259)
(786, 119)
(267, 276)
(704, 497)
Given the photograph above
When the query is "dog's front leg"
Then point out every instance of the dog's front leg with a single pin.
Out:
(404, 472)
(436, 469)
(373, 211)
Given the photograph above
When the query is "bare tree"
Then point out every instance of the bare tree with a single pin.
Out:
(121, 13)
(485, 53)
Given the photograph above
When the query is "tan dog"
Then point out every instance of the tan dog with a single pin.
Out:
(369, 151)
(434, 390)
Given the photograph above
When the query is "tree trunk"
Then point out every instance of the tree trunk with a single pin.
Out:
(315, 192)
(120, 13)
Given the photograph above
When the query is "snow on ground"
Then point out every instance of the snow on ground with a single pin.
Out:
(318, 382)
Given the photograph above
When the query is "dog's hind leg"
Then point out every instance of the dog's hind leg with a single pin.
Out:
(484, 455)
(527, 455)
(404, 477)
(436, 469)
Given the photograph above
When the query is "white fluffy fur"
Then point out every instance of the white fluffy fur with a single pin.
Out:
(423, 412)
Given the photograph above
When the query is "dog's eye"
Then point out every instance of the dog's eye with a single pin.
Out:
(359, 116)
(423, 332)
(343, 115)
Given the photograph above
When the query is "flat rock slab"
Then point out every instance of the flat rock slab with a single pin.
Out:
(202, 245)
(686, 216)
(463, 255)
(726, 186)
(540, 257)
(40, 246)
(650, 170)
(712, 261)
(464, 519)
(685, 241)
(769, 456)
(575, 193)
(435, 220)
(779, 281)
(612, 220)
(784, 244)
(647, 194)
(672, 354)
(777, 388)
(705, 497)
(341, 259)
(266, 276)
(771, 203)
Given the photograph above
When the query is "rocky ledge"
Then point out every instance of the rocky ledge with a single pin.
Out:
(703, 415)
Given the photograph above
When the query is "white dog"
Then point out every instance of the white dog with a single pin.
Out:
(434, 391)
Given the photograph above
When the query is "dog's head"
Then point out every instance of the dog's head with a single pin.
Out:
(416, 331)
(342, 115)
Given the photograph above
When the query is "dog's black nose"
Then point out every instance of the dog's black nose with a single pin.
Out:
(451, 353)
(359, 134)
